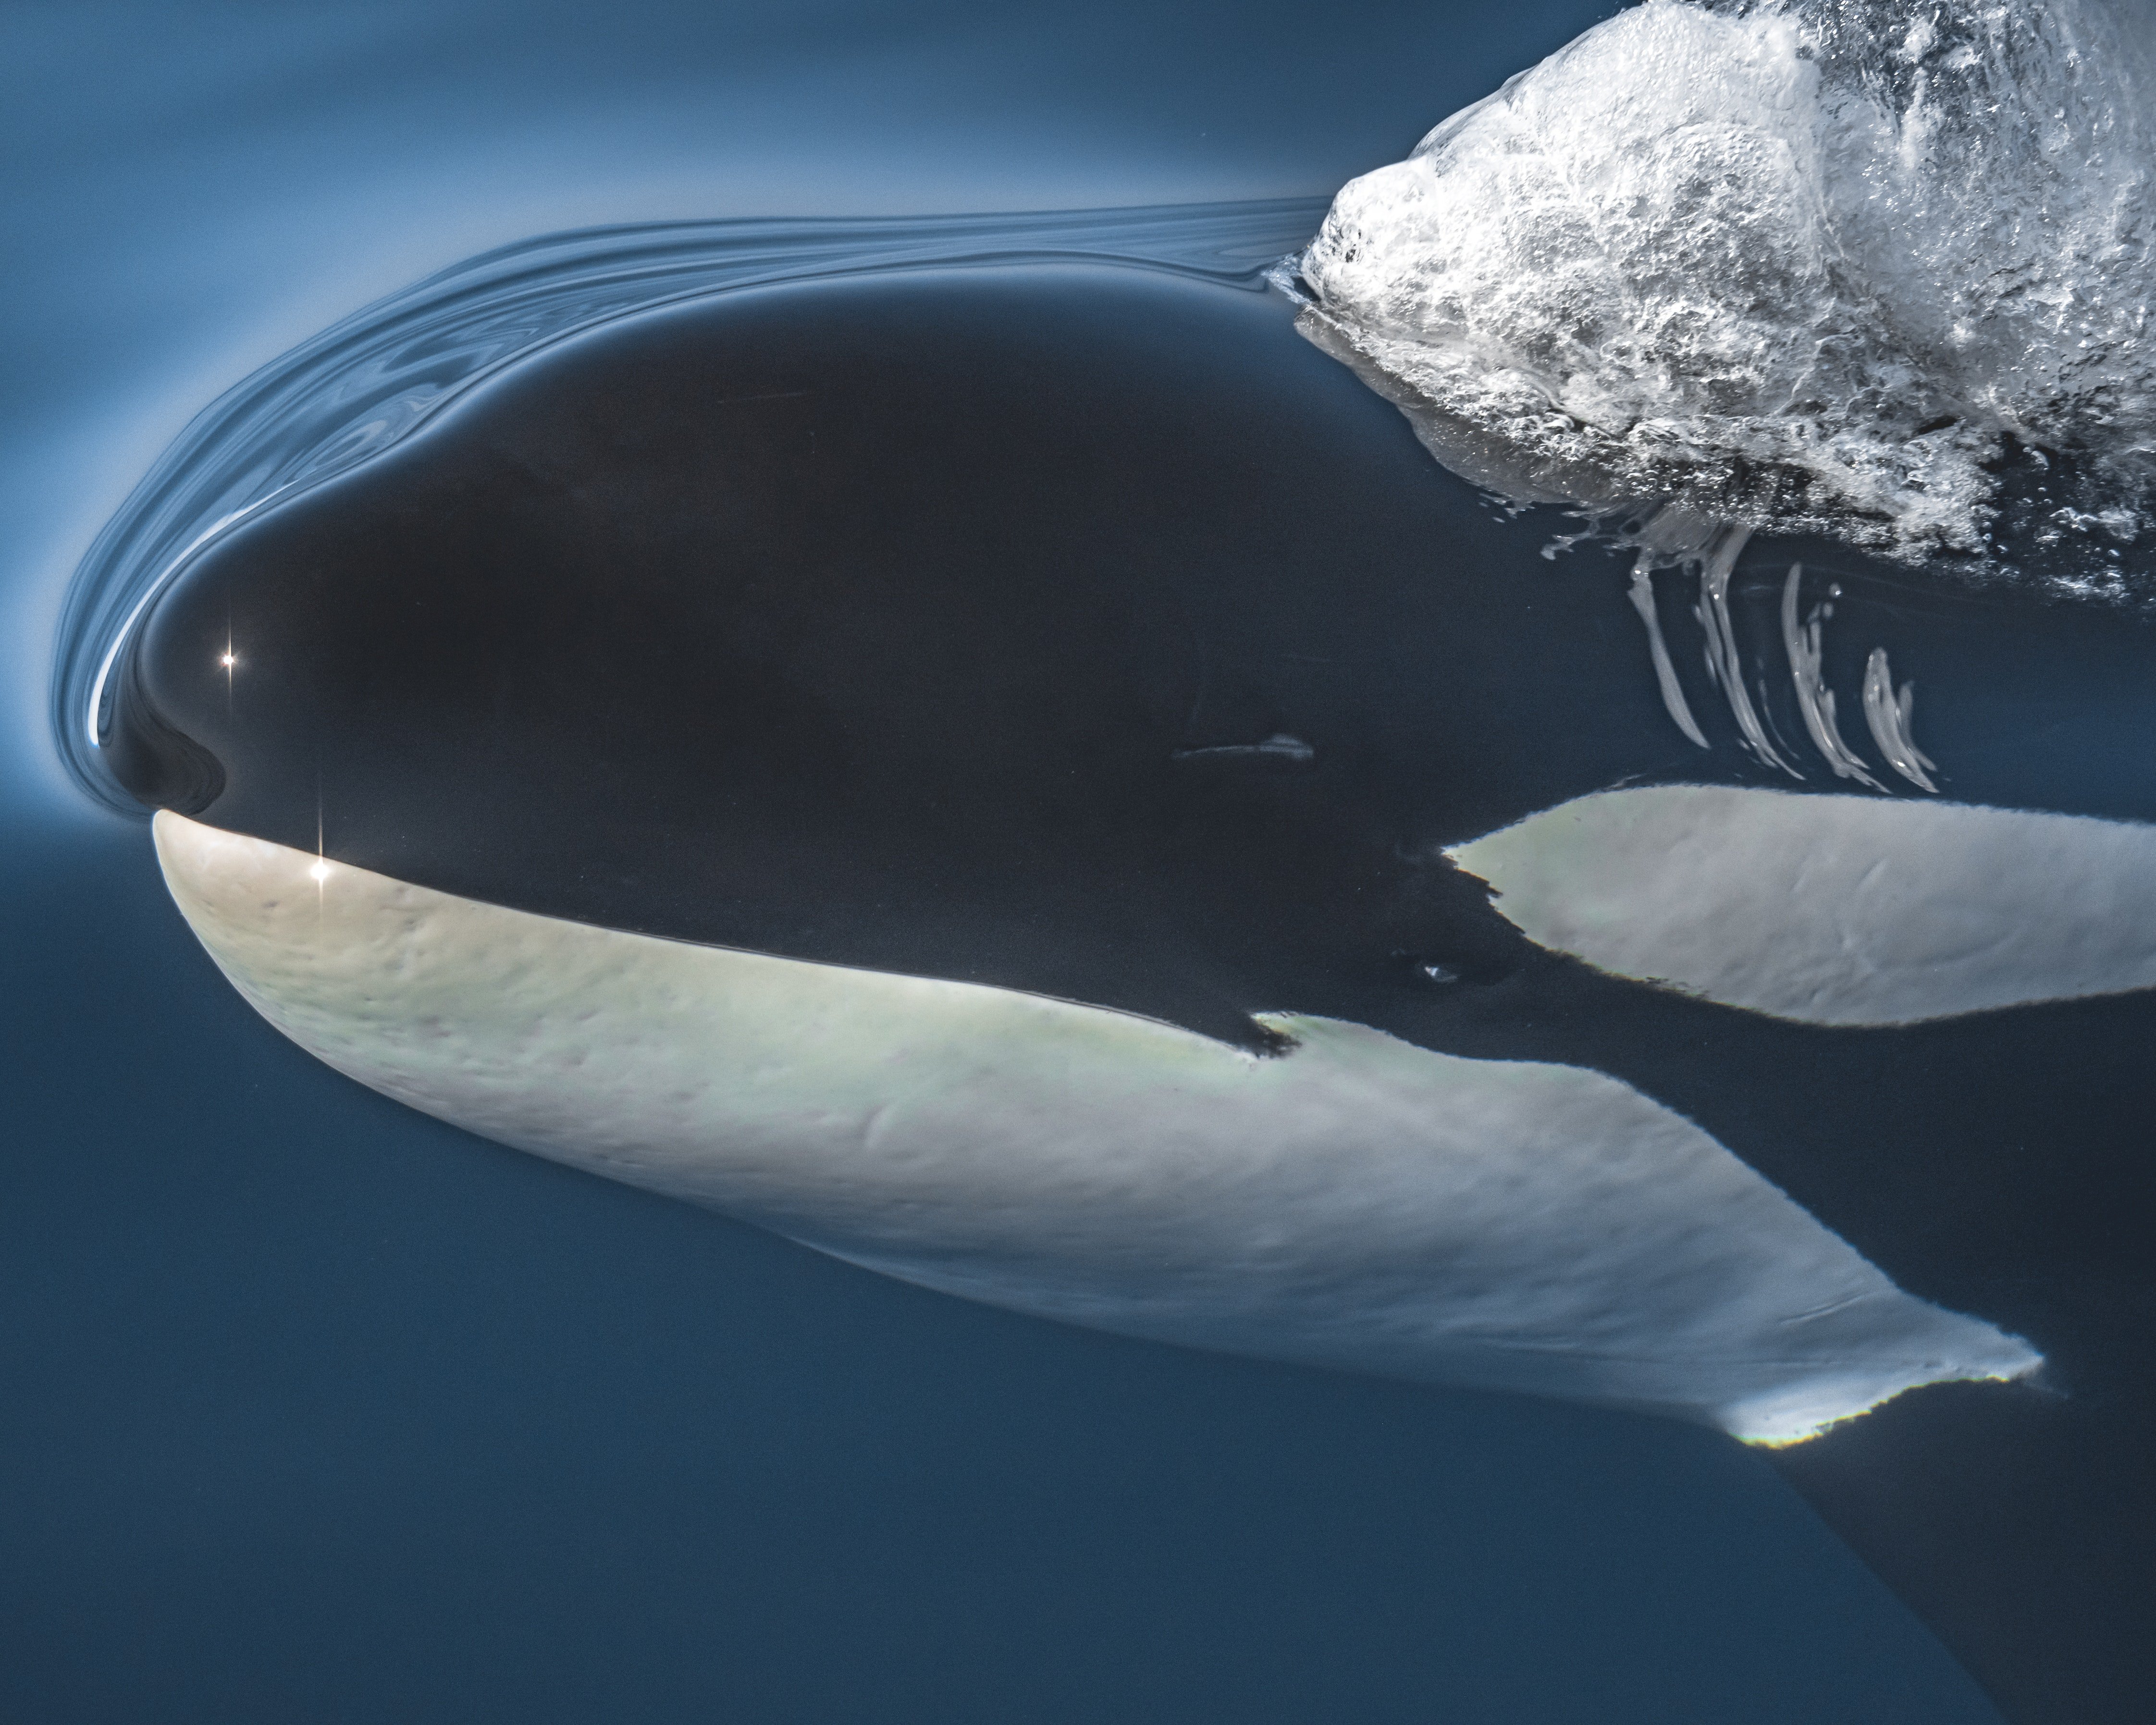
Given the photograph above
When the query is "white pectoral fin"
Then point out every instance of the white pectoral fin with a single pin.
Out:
(1358, 1202)
(1832, 910)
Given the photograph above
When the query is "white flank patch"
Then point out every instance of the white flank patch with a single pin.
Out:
(1358, 1203)
(1832, 910)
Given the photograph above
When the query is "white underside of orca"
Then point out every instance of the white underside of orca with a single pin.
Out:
(1832, 910)
(1358, 1202)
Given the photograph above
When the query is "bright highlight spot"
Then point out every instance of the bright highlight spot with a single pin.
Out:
(319, 872)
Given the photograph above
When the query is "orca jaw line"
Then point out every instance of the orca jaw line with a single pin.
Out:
(1357, 1202)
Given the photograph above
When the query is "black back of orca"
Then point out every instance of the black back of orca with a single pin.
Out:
(1085, 632)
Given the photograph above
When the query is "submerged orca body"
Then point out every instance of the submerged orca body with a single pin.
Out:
(1082, 638)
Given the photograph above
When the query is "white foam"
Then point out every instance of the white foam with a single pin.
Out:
(1358, 1202)
(1794, 264)
(1833, 910)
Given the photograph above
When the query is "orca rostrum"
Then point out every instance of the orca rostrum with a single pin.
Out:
(1034, 782)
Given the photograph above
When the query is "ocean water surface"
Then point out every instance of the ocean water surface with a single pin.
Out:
(322, 1409)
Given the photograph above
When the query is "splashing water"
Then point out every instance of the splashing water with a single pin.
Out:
(1865, 268)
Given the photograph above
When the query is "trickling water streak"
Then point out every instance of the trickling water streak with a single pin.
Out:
(1814, 699)
(1665, 674)
(364, 384)
(1888, 711)
(1724, 664)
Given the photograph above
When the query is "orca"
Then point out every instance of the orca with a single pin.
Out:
(1032, 780)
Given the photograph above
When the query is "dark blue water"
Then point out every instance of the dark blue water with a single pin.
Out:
(316, 1409)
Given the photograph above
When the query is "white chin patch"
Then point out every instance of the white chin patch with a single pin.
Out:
(1832, 910)
(1358, 1203)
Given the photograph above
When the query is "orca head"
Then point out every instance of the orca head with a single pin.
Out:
(1087, 634)
(1083, 633)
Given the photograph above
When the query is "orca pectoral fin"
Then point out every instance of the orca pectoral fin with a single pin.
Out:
(2020, 1522)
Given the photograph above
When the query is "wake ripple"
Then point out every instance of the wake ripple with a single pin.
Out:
(365, 383)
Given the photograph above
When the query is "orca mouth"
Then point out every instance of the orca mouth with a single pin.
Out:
(1359, 1202)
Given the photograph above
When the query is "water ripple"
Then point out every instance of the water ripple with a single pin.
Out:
(367, 383)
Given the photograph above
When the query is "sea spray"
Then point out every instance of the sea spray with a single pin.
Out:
(1872, 270)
